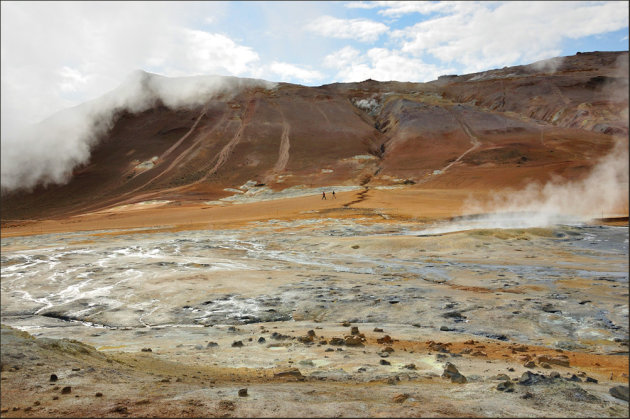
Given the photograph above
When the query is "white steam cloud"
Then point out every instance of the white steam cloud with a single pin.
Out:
(48, 151)
(603, 192)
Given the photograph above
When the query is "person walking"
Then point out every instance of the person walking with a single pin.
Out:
(323, 195)
(334, 196)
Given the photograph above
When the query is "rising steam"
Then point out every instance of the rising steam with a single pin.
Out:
(48, 152)
(603, 192)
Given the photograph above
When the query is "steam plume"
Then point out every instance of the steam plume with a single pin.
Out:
(47, 152)
(603, 191)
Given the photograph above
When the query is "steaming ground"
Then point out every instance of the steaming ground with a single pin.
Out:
(191, 295)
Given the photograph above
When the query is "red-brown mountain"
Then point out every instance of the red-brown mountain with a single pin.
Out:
(493, 129)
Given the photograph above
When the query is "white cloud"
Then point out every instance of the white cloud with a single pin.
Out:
(490, 35)
(288, 71)
(360, 29)
(380, 64)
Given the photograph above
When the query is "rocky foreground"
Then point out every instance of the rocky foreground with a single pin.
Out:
(317, 317)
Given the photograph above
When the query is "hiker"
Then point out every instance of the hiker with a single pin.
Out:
(334, 196)
(323, 195)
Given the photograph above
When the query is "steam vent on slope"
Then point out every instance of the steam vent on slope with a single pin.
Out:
(173, 253)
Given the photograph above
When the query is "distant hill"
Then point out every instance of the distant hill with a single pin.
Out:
(493, 129)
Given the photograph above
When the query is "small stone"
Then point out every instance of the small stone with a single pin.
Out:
(388, 349)
(620, 392)
(66, 390)
(76, 369)
(146, 350)
(99, 394)
(410, 366)
(53, 378)
(529, 364)
(353, 341)
(310, 333)
(345, 324)
(445, 329)
(575, 378)
(237, 344)
(55, 397)
(506, 386)
(354, 330)
(242, 392)
(212, 345)
(399, 398)
(384, 340)
(527, 395)
(591, 380)
(545, 365)
(231, 329)
(502, 377)
(385, 362)
(337, 341)
(376, 329)
(329, 350)
(554, 374)
(262, 340)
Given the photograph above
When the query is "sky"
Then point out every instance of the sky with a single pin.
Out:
(56, 55)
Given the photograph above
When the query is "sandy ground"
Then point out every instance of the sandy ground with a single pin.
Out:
(264, 297)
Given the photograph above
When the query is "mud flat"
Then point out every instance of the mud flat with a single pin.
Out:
(322, 315)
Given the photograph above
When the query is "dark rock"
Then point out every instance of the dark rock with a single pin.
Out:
(376, 329)
(53, 378)
(99, 394)
(211, 344)
(410, 366)
(527, 395)
(310, 333)
(237, 344)
(385, 362)
(575, 378)
(262, 340)
(146, 350)
(548, 308)
(337, 341)
(502, 377)
(446, 329)
(591, 380)
(554, 374)
(529, 364)
(353, 341)
(66, 390)
(242, 392)
(329, 350)
(506, 386)
(384, 339)
(450, 371)
(620, 392)
(529, 378)
(354, 330)
(453, 315)
(345, 324)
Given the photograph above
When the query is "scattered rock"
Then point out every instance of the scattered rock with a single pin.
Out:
(591, 380)
(388, 349)
(527, 395)
(98, 394)
(120, 409)
(337, 341)
(410, 366)
(376, 329)
(554, 374)
(561, 360)
(529, 378)
(545, 365)
(354, 330)
(226, 405)
(146, 350)
(620, 392)
(345, 324)
(399, 398)
(384, 339)
(310, 333)
(506, 386)
(446, 329)
(53, 378)
(502, 377)
(242, 392)
(305, 339)
(66, 390)
(385, 362)
(548, 308)
(329, 350)
(353, 341)
(529, 364)
(262, 340)
(212, 345)
(450, 371)
(575, 378)
(237, 344)
(290, 373)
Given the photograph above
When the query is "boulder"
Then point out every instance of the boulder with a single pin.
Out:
(620, 392)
